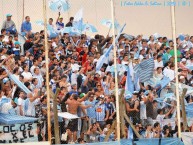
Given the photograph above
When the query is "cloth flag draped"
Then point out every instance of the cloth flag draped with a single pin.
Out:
(105, 56)
(129, 87)
(145, 70)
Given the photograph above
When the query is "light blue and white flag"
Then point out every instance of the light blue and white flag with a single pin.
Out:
(78, 20)
(129, 86)
(105, 56)
(89, 28)
(136, 82)
(19, 83)
(108, 23)
(59, 5)
(145, 69)
(130, 131)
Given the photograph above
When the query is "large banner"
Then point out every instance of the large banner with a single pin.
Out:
(18, 133)
(187, 138)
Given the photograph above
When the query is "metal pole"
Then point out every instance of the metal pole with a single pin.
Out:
(23, 13)
(47, 71)
(116, 79)
(176, 66)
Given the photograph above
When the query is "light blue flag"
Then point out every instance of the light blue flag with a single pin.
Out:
(105, 56)
(59, 5)
(108, 23)
(130, 131)
(89, 28)
(145, 70)
(19, 83)
(163, 83)
(129, 86)
(190, 67)
(136, 82)
(78, 20)
(71, 30)
(51, 30)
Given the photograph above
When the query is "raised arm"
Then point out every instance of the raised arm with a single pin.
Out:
(58, 17)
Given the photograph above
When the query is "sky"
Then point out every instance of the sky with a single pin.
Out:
(142, 17)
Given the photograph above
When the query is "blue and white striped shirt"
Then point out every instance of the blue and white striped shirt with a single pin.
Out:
(101, 112)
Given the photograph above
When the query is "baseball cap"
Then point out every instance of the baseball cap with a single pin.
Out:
(5, 80)
(182, 77)
(135, 93)
(82, 95)
(17, 43)
(15, 100)
(183, 59)
(102, 96)
(60, 17)
(8, 15)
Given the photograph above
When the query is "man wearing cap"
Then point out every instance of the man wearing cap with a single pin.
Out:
(59, 23)
(102, 112)
(9, 25)
(133, 108)
(34, 50)
(17, 50)
(26, 27)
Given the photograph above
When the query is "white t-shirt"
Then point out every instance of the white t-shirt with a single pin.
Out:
(124, 62)
(141, 57)
(190, 44)
(169, 73)
(74, 78)
(160, 117)
(158, 64)
(40, 80)
(148, 134)
(21, 103)
(143, 114)
(32, 69)
(6, 107)
(31, 107)
(27, 75)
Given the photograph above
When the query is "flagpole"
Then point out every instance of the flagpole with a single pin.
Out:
(116, 79)
(176, 67)
(47, 72)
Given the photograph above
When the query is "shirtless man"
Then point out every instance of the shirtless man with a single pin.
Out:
(73, 103)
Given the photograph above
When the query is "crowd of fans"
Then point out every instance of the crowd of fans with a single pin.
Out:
(85, 92)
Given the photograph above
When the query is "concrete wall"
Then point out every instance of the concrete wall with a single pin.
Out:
(140, 19)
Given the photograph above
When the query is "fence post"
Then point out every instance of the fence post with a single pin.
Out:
(56, 125)
(183, 109)
(132, 126)
(110, 131)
